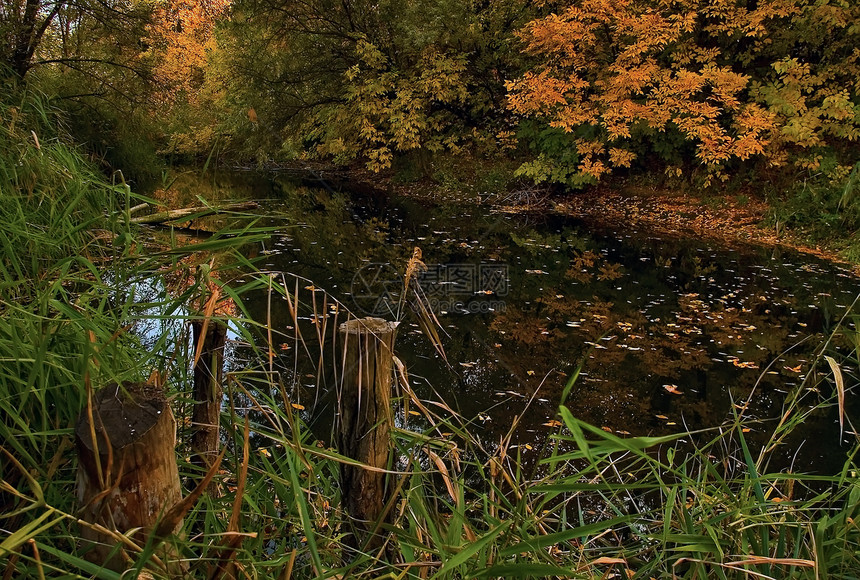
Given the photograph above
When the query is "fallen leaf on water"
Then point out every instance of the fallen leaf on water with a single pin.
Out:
(607, 429)
(552, 423)
(530, 373)
(297, 406)
(661, 416)
(673, 389)
(793, 369)
(744, 364)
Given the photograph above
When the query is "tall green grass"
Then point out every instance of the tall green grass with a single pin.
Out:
(584, 504)
(691, 505)
(821, 207)
(68, 318)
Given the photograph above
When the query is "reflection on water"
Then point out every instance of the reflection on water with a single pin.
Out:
(670, 333)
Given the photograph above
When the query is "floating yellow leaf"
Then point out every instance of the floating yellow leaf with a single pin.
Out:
(744, 364)
(673, 389)
(297, 406)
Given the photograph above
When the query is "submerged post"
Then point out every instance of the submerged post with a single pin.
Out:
(208, 377)
(127, 473)
(365, 418)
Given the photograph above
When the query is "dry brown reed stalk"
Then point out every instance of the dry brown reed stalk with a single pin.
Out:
(419, 304)
(413, 267)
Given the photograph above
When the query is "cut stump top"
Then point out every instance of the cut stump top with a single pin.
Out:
(123, 414)
(369, 325)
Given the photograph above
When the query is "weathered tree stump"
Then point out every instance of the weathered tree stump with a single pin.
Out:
(365, 419)
(208, 377)
(127, 473)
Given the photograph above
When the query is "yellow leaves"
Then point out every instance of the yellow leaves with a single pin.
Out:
(611, 66)
(379, 159)
(390, 110)
(182, 36)
(536, 93)
(725, 84)
(370, 54)
(621, 157)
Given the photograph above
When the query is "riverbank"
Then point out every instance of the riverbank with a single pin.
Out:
(730, 220)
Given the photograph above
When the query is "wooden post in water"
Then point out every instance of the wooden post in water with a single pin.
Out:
(365, 418)
(127, 473)
(208, 377)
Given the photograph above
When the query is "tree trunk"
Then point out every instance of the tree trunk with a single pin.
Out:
(208, 377)
(127, 475)
(195, 212)
(365, 420)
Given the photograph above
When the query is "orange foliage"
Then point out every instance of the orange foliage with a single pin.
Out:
(182, 37)
(716, 71)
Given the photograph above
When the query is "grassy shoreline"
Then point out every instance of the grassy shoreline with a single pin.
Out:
(598, 506)
(811, 216)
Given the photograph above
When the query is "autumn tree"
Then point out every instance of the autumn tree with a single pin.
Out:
(182, 37)
(182, 44)
(370, 80)
(70, 34)
(712, 81)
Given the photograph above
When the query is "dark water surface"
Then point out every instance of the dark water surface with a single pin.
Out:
(671, 333)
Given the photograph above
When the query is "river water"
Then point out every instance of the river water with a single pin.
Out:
(671, 334)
